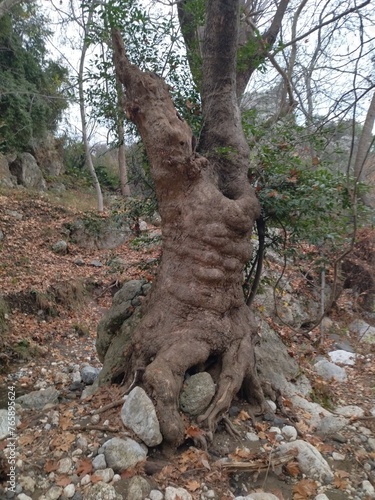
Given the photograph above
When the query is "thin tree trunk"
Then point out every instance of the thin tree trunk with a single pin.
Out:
(364, 145)
(123, 172)
(89, 163)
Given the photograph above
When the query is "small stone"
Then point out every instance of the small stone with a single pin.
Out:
(105, 475)
(64, 465)
(289, 432)
(322, 496)
(27, 483)
(22, 496)
(143, 226)
(82, 443)
(368, 488)
(338, 456)
(89, 374)
(272, 405)
(99, 462)
(121, 454)
(85, 480)
(252, 437)
(79, 262)
(329, 370)
(275, 429)
(116, 478)
(96, 263)
(54, 493)
(371, 443)
(342, 357)
(69, 490)
(177, 494)
(155, 495)
(95, 419)
(339, 438)
(60, 247)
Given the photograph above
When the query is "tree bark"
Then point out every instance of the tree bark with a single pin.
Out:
(196, 313)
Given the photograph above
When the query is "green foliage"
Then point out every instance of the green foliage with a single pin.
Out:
(298, 193)
(31, 100)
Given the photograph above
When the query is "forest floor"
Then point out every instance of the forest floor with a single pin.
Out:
(56, 303)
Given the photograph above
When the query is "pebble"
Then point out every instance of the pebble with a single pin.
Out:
(338, 456)
(54, 493)
(368, 488)
(22, 496)
(252, 437)
(105, 475)
(155, 495)
(289, 432)
(95, 419)
(86, 480)
(64, 465)
(99, 462)
(69, 490)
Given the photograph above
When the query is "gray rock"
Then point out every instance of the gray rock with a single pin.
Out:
(155, 495)
(69, 490)
(139, 415)
(143, 226)
(54, 493)
(60, 247)
(27, 483)
(350, 411)
(38, 399)
(371, 443)
(289, 432)
(309, 459)
(331, 424)
(176, 494)
(6, 177)
(22, 496)
(64, 465)
(89, 374)
(96, 263)
(258, 496)
(252, 437)
(99, 462)
(368, 488)
(27, 172)
(121, 454)
(137, 488)
(105, 475)
(102, 491)
(197, 393)
(328, 370)
(342, 357)
(322, 496)
(365, 332)
(270, 347)
(99, 233)
(3, 424)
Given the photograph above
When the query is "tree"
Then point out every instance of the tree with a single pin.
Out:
(196, 313)
(32, 96)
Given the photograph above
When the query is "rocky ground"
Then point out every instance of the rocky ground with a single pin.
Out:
(317, 440)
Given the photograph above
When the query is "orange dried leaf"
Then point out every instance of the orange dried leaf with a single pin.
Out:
(304, 489)
(50, 466)
(84, 467)
(243, 415)
(193, 431)
(192, 485)
(26, 439)
(63, 481)
(292, 468)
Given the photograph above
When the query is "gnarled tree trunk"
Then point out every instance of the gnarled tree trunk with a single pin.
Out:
(196, 312)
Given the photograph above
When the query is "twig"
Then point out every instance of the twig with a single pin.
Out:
(95, 428)
(109, 406)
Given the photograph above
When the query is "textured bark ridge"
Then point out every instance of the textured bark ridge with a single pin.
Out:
(195, 315)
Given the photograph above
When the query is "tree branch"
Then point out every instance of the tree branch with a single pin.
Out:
(325, 23)
(6, 5)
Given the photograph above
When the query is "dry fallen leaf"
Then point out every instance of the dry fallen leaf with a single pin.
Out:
(84, 467)
(341, 479)
(63, 441)
(193, 431)
(192, 485)
(63, 481)
(51, 466)
(292, 468)
(304, 489)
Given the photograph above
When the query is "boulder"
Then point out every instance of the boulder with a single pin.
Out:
(99, 233)
(139, 415)
(328, 371)
(309, 459)
(197, 393)
(38, 399)
(6, 177)
(49, 154)
(27, 172)
(122, 454)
